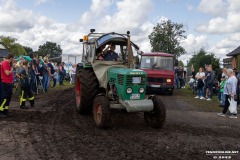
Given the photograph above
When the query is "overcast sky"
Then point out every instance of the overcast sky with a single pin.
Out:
(212, 24)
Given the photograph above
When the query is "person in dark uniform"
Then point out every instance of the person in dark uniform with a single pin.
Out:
(33, 70)
(25, 86)
(7, 83)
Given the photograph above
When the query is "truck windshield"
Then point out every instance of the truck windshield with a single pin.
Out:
(157, 62)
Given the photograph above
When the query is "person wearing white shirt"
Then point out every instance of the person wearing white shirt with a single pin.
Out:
(199, 76)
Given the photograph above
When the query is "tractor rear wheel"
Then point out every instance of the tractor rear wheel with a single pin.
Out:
(157, 116)
(86, 88)
(101, 112)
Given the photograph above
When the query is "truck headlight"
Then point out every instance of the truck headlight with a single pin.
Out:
(169, 80)
(129, 90)
(141, 90)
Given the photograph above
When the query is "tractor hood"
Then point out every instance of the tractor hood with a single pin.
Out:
(126, 71)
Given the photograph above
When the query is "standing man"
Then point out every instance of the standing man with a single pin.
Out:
(180, 76)
(7, 82)
(33, 70)
(209, 81)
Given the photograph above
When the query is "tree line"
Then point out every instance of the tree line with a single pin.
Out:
(51, 48)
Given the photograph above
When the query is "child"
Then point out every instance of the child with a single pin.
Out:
(55, 78)
(222, 84)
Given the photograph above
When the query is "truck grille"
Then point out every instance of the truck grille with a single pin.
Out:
(129, 80)
(120, 79)
(156, 80)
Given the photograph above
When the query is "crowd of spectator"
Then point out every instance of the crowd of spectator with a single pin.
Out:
(226, 85)
(27, 77)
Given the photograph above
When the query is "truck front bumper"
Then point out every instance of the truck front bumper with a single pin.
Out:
(159, 88)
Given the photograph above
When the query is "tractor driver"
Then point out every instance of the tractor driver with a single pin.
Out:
(111, 55)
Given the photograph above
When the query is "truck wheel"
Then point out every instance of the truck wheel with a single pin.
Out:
(101, 112)
(157, 116)
(86, 88)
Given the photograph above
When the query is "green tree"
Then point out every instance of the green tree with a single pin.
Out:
(50, 48)
(166, 37)
(180, 63)
(15, 48)
(201, 58)
(29, 51)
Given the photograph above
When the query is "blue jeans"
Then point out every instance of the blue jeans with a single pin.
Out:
(219, 95)
(200, 92)
(179, 79)
(210, 87)
(45, 82)
(223, 98)
(61, 77)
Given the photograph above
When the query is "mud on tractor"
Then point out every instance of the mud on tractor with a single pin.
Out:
(103, 85)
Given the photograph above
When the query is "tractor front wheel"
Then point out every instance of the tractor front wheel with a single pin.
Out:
(86, 88)
(157, 116)
(101, 112)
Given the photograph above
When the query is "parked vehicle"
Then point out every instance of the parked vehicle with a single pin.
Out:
(160, 73)
(104, 85)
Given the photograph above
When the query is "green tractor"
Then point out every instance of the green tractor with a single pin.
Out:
(102, 85)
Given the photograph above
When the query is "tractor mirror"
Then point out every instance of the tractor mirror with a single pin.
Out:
(80, 40)
(92, 30)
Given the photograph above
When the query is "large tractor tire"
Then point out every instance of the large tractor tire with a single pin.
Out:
(157, 116)
(86, 88)
(101, 112)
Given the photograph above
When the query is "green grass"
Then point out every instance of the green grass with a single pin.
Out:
(187, 96)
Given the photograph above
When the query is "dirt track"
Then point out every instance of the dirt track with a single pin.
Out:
(53, 130)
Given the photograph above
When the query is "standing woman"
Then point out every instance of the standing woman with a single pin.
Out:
(230, 92)
(199, 76)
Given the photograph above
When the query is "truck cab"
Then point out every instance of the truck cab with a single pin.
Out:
(160, 72)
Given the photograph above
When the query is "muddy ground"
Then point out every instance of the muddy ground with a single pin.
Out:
(54, 130)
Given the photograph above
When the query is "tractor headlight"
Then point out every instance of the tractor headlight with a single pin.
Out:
(129, 90)
(141, 90)
(169, 80)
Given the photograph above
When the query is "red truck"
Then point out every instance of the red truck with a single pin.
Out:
(160, 72)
